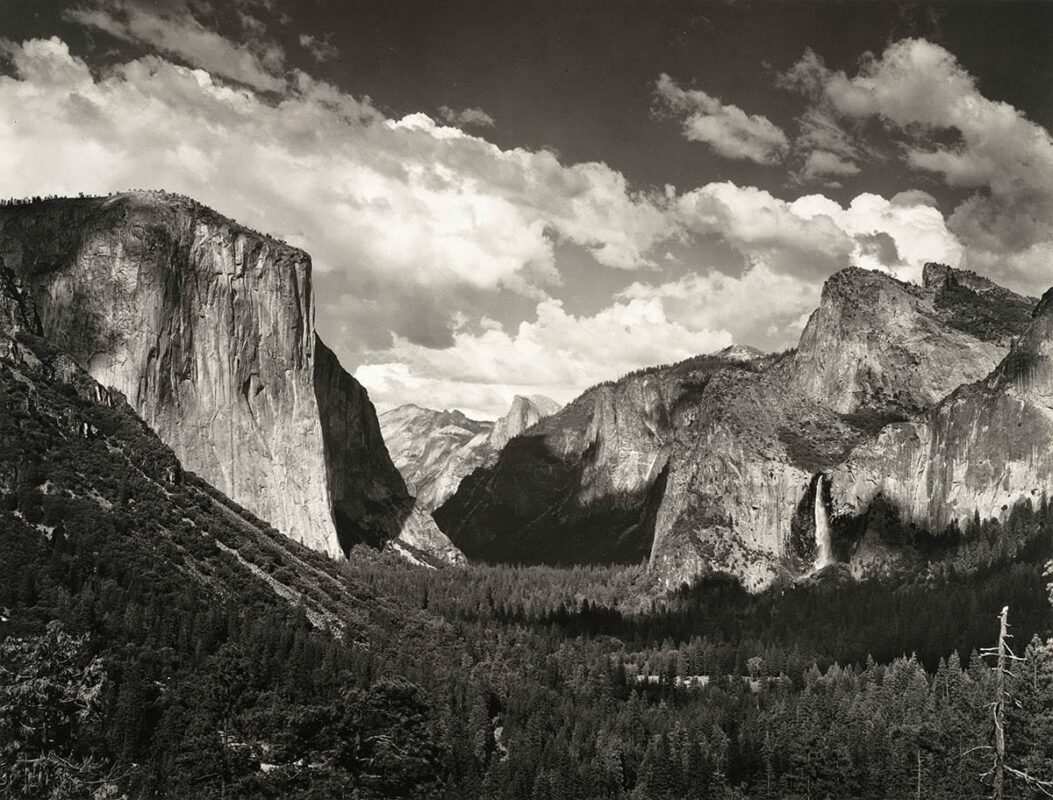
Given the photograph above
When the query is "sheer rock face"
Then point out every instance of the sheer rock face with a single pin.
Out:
(712, 465)
(983, 448)
(582, 484)
(878, 344)
(742, 481)
(208, 329)
(435, 450)
(524, 414)
(741, 487)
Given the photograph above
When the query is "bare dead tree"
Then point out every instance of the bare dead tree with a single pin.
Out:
(1004, 657)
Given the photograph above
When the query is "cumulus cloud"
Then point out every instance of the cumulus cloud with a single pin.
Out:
(405, 209)
(896, 237)
(177, 32)
(729, 130)
(416, 226)
(765, 229)
(466, 117)
(921, 93)
(813, 236)
(760, 307)
(557, 354)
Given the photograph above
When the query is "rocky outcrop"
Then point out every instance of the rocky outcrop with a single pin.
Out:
(741, 487)
(978, 452)
(885, 346)
(208, 329)
(523, 415)
(743, 479)
(435, 450)
(583, 484)
(716, 464)
(426, 446)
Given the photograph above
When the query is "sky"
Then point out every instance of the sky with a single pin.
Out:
(530, 197)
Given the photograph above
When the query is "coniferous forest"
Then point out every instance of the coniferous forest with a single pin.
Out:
(147, 651)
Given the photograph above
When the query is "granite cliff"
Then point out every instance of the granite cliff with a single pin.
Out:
(582, 485)
(435, 450)
(83, 477)
(721, 463)
(979, 451)
(743, 480)
(207, 328)
(885, 346)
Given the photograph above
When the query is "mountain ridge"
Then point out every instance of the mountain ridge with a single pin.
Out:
(208, 328)
(723, 465)
(435, 450)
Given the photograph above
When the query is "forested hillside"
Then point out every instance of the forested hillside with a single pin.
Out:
(158, 641)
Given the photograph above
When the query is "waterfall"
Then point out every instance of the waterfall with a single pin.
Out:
(824, 555)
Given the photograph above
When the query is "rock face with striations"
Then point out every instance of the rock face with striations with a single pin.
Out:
(979, 451)
(879, 344)
(435, 450)
(208, 329)
(716, 464)
(583, 484)
(743, 482)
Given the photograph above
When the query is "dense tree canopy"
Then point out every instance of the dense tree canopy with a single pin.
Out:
(158, 641)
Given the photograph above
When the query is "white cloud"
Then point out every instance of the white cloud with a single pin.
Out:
(729, 130)
(765, 229)
(918, 231)
(466, 117)
(390, 209)
(178, 33)
(557, 354)
(919, 90)
(406, 218)
(813, 236)
(759, 307)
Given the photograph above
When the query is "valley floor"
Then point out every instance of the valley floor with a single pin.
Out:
(505, 682)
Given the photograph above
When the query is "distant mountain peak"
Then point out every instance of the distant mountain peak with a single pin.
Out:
(435, 450)
(524, 413)
(545, 404)
(740, 352)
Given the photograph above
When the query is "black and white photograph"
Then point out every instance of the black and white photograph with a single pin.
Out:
(526, 400)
